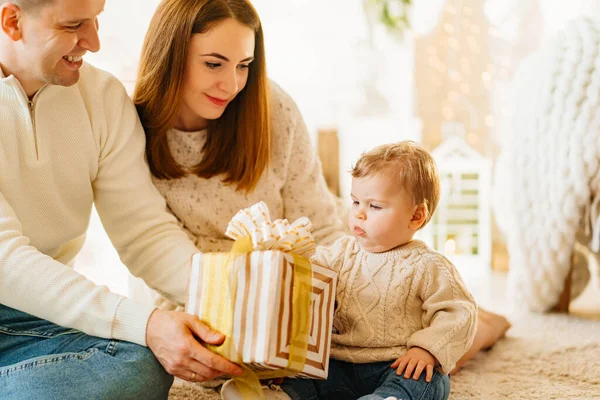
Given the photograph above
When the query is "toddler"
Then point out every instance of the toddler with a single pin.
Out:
(404, 317)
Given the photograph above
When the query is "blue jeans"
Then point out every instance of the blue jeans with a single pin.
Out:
(41, 360)
(367, 382)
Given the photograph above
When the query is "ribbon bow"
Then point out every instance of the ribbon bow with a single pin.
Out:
(255, 222)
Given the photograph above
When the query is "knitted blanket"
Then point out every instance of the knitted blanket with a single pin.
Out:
(547, 176)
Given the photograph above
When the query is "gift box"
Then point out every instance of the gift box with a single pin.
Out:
(271, 303)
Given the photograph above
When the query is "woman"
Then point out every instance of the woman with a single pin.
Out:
(221, 137)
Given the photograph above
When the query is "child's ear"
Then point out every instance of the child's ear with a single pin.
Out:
(418, 217)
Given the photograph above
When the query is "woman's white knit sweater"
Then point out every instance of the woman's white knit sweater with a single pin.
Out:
(392, 301)
(548, 174)
(72, 147)
(292, 186)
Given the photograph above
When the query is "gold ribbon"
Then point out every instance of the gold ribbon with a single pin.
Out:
(219, 286)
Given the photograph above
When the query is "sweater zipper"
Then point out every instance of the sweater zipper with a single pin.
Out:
(32, 113)
(31, 106)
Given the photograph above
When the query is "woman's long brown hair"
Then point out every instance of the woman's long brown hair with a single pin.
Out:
(238, 143)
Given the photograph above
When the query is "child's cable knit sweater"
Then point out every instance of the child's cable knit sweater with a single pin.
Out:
(292, 186)
(392, 301)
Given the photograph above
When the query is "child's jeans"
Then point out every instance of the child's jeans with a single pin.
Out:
(372, 381)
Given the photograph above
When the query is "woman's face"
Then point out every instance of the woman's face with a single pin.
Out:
(216, 71)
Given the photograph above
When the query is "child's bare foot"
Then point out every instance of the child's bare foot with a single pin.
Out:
(491, 328)
(496, 326)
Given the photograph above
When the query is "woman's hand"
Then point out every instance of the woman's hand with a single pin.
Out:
(175, 339)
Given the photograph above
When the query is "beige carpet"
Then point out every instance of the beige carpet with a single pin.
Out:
(543, 357)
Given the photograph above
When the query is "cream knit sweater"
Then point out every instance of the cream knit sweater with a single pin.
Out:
(67, 149)
(292, 186)
(392, 301)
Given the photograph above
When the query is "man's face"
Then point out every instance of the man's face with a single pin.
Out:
(54, 40)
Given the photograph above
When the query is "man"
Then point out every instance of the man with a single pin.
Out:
(70, 137)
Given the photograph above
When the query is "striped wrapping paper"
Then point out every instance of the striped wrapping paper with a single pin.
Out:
(262, 307)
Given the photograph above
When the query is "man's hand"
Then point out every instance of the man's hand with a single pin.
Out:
(173, 338)
(416, 359)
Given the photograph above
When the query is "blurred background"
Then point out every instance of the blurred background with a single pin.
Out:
(440, 72)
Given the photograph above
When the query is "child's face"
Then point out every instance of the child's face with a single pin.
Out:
(383, 216)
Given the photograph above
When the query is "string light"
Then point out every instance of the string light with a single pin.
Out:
(461, 35)
(448, 113)
(453, 43)
(454, 75)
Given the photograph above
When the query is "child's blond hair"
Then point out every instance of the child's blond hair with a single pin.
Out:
(414, 167)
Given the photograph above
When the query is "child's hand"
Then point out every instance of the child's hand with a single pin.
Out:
(416, 359)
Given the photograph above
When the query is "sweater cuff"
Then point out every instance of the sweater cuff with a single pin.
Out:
(439, 352)
(131, 321)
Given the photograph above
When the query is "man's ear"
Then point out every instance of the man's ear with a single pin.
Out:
(418, 217)
(10, 18)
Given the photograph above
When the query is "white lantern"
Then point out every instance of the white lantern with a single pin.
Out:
(461, 225)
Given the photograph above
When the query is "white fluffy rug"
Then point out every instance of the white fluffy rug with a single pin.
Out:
(543, 357)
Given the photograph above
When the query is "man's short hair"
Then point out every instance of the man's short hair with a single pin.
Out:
(413, 168)
(28, 5)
